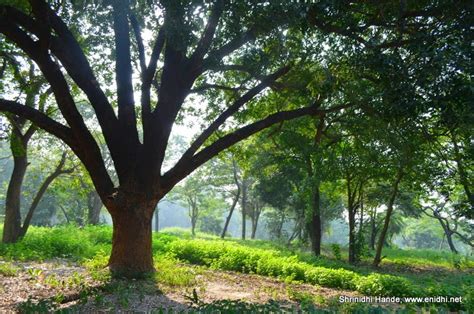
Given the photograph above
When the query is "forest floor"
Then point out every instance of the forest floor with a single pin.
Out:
(40, 285)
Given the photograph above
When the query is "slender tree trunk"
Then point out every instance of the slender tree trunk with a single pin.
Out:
(94, 206)
(193, 226)
(314, 227)
(352, 236)
(447, 232)
(157, 219)
(12, 224)
(361, 218)
(373, 229)
(131, 241)
(39, 195)
(68, 221)
(255, 218)
(280, 225)
(229, 216)
(449, 238)
(244, 208)
(383, 233)
(352, 208)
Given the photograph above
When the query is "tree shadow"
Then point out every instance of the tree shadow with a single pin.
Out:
(114, 295)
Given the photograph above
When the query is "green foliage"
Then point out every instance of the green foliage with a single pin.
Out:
(170, 273)
(426, 258)
(386, 285)
(61, 241)
(8, 269)
(37, 306)
(336, 251)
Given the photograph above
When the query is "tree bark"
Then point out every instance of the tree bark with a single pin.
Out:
(352, 237)
(352, 209)
(383, 233)
(449, 238)
(373, 229)
(229, 216)
(314, 228)
(157, 219)
(39, 195)
(244, 207)
(12, 224)
(94, 204)
(447, 232)
(255, 217)
(235, 201)
(131, 241)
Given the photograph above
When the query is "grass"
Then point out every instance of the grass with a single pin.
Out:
(426, 258)
(8, 269)
(441, 274)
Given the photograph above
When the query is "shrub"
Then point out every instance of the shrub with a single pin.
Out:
(386, 285)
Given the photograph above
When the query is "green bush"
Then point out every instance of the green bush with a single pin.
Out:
(386, 285)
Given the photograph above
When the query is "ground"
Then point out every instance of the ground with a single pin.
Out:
(67, 282)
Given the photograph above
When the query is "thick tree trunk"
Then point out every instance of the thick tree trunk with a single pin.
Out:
(12, 224)
(131, 241)
(314, 227)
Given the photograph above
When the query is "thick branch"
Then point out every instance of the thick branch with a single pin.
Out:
(85, 146)
(205, 87)
(69, 52)
(40, 119)
(231, 46)
(139, 41)
(185, 166)
(147, 76)
(208, 34)
(123, 71)
(233, 109)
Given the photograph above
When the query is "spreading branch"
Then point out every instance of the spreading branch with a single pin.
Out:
(186, 166)
(233, 109)
(40, 119)
(208, 34)
(65, 47)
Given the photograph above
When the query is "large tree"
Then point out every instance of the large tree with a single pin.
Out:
(196, 45)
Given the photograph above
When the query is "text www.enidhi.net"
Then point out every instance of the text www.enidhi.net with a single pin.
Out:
(368, 299)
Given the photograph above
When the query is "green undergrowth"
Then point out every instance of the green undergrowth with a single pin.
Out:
(91, 245)
(234, 257)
